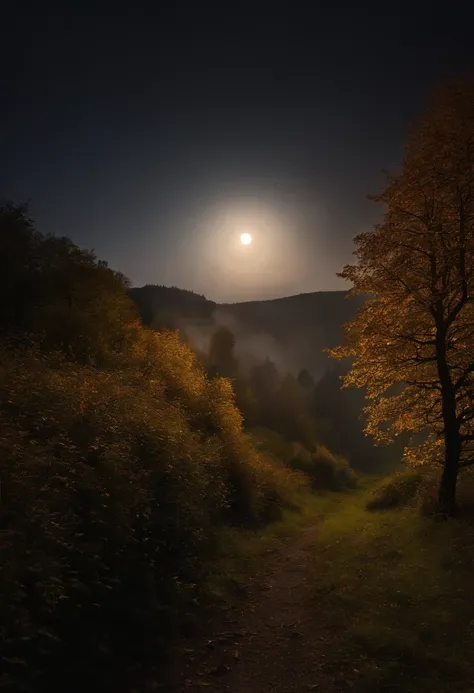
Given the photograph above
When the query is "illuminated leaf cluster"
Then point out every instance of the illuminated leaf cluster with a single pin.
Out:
(412, 343)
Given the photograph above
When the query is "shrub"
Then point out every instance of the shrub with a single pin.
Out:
(114, 488)
(325, 470)
(273, 443)
(396, 491)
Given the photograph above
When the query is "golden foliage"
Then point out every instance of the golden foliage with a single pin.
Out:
(412, 343)
(114, 487)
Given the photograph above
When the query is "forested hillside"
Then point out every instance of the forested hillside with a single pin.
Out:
(293, 331)
(281, 345)
(303, 326)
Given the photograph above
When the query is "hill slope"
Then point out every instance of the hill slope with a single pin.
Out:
(293, 331)
(302, 326)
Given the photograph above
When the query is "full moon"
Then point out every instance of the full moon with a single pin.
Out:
(245, 239)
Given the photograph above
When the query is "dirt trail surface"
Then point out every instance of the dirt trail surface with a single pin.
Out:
(278, 638)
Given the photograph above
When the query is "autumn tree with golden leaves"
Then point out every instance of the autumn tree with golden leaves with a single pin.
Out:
(412, 343)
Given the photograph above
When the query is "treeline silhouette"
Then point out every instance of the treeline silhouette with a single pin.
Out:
(168, 306)
(123, 455)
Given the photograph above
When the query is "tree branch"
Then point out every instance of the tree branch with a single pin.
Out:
(462, 266)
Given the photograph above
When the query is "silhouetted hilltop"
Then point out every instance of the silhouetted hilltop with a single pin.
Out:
(293, 331)
(329, 308)
(302, 325)
(169, 306)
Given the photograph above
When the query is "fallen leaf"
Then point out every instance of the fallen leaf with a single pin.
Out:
(219, 670)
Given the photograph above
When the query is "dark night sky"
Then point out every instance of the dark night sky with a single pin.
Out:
(156, 136)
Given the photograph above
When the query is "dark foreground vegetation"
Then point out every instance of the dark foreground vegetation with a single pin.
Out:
(122, 464)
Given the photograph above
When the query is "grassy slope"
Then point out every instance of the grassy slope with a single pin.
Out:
(401, 587)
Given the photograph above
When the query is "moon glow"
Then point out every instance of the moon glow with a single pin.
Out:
(245, 239)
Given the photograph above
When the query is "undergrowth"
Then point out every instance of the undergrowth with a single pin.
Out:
(396, 491)
(325, 470)
(116, 486)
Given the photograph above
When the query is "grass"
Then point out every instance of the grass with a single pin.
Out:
(272, 442)
(241, 551)
(393, 592)
(396, 491)
(399, 588)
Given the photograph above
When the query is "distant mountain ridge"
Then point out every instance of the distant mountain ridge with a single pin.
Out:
(293, 331)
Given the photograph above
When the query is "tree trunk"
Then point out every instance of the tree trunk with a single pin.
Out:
(447, 487)
(452, 434)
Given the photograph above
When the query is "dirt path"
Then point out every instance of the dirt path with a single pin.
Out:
(277, 639)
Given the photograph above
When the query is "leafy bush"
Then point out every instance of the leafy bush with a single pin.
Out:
(114, 488)
(273, 443)
(396, 491)
(325, 470)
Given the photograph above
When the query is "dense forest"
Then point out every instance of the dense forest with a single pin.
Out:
(125, 453)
